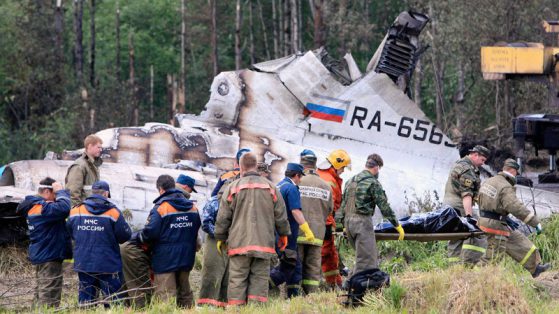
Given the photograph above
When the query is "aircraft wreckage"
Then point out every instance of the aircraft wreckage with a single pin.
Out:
(278, 108)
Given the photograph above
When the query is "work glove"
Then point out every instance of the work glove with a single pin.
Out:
(282, 243)
(309, 236)
(539, 229)
(221, 247)
(401, 232)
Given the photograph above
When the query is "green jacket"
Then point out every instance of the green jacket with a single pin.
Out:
(498, 195)
(316, 205)
(251, 210)
(80, 176)
(463, 180)
(362, 193)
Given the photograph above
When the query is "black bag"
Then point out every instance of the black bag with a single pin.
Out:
(444, 220)
(358, 285)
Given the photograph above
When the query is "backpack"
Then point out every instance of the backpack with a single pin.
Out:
(358, 285)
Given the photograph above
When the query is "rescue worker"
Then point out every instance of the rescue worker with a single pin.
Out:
(230, 174)
(250, 212)
(215, 265)
(362, 194)
(330, 171)
(136, 259)
(461, 191)
(172, 235)
(85, 170)
(213, 287)
(97, 227)
(317, 204)
(49, 241)
(185, 184)
(497, 199)
(290, 270)
(136, 264)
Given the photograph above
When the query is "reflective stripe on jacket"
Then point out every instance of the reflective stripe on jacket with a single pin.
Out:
(171, 232)
(250, 212)
(48, 238)
(97, 228)
(498, 195)
(317, 204)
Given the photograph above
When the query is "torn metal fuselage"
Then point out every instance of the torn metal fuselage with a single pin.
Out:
(278, 108)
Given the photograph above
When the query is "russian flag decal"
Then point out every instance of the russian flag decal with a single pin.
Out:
(325, 113)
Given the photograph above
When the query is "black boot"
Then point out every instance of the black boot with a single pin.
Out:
(540, 269)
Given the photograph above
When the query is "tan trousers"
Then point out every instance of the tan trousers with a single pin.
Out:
(215, 275)
(517, 246)
(469, 251)
(136, 267)
(49, 284)
(176, 284)
(310, 256)
(248, 279)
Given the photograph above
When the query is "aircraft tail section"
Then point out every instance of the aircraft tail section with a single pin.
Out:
(399, 51)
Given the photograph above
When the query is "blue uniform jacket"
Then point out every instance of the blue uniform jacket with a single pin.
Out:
(97, 228)
(209, 215)
(171, 232)
(292, 199)
(48, 237)
(224, 177)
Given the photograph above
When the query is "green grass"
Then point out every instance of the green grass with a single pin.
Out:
(548, 241)
(421, 282)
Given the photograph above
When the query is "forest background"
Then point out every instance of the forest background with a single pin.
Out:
(72, 67)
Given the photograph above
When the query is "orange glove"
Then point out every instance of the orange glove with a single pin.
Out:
(282, 243)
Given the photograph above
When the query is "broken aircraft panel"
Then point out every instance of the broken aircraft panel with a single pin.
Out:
(132, 186)
(278, 108)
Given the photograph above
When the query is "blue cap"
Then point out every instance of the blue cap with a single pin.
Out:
(240, 153)
(188, 181)
(307, 153)
(295, 167)
(101, 185)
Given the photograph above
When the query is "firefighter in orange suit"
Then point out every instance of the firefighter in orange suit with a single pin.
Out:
(330, 171)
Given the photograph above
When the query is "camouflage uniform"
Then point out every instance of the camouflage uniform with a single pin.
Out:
(497, 199)
(213, 289)
(250, 212)
(362, 193)
(316, 203)
(80, 176)
(463, 181)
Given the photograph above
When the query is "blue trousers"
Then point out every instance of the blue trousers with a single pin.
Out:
(92, 283)
(290, 272)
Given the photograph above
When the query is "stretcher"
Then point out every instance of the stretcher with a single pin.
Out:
(428, 237)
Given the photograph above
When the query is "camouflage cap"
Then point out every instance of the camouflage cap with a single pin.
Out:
(511, 163)
(482, 150)
(263, 167)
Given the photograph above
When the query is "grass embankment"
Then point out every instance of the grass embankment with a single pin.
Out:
(421, 282)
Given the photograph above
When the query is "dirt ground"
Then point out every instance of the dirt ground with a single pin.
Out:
(549, 283)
